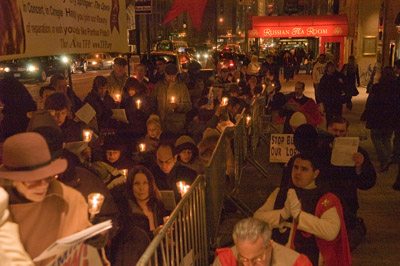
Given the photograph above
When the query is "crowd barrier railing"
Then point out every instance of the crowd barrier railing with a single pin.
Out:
(183, 238)
(193, 226)
(215, 173)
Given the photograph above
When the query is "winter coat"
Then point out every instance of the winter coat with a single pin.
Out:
(332, 89)
(71, 130)
(61, 213)
(11, 250)
(115, 85)
(103, 107)
(352, 78)
(137, 117)
(381, 103)
(172, 120)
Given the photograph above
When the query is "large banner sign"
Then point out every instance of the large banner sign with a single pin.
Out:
(37, 27)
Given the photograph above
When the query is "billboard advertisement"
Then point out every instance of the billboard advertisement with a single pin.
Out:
(31, 28)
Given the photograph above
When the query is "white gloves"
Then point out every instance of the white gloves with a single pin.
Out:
(294, 204)
(285, 211)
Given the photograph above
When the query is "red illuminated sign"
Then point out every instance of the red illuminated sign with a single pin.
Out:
(303, 31)
(281, 27)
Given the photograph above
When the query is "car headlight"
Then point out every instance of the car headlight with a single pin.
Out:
(205, 56)
(32, 68)
(198, 56)
(94, 63)
(4, 69)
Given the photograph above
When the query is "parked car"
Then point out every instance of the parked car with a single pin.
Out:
(166, 45)
(38, 68)
(77, 62)
(98, 61)
(182, 60)
(228, 60)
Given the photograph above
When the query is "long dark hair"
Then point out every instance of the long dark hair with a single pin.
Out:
(154, 194)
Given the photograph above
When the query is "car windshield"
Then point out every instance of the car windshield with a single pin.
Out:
(164, 57)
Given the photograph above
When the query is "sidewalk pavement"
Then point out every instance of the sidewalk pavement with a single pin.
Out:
(379, 206)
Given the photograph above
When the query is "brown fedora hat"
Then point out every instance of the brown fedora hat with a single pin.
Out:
(26, 157)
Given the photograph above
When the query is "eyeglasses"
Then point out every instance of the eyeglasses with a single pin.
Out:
(31, 184)
(259, 260)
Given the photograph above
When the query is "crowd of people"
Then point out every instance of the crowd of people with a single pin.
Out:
(156, 130)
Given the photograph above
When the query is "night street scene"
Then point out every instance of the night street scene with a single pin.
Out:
(199, 132)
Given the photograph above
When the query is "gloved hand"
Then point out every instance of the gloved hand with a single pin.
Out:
(285, 211)
(294, 203)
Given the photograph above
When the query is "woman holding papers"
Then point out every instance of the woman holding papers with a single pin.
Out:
(101, 101)
(44, 209)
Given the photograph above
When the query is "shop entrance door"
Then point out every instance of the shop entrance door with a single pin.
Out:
(332, 50)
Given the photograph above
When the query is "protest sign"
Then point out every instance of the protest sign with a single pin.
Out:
(41, 28)
(343, 151)
(281, 148)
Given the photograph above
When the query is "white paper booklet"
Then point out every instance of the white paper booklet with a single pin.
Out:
(120, 115)
(343, 150)
(63, 244)
(86, 113)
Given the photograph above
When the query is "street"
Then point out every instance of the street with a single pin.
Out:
(81, 83)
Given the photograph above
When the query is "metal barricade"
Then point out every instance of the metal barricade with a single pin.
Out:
(215, 173)
(257, 115)
(183, 238)
(240, 147)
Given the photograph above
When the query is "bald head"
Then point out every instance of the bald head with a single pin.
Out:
(165, 158)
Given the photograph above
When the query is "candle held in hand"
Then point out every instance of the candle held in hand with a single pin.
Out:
(87, 135)
(117, 97)
(138, 104)
(142, 147)
(95, 202)
(224, 101)
(172, 100)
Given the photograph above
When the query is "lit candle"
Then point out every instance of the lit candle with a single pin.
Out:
(224, 101)
(248, 120)
(138, 103)
(173, 100)
(87, 135)
(185, 190)
(117, 97)
(95, 202)
(264, 86)
(181, 186)
(142, 147)
(237, 80)
(124, 173)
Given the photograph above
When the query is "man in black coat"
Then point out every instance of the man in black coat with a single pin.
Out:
(345, 181)
(167, 171)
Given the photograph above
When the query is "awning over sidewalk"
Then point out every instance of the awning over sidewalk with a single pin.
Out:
(298, 26)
